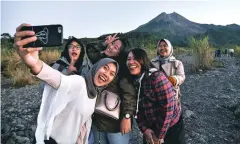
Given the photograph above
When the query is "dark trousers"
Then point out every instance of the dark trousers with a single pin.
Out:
(50, 141)
(175, 134)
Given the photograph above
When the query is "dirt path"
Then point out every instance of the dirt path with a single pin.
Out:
(209, 96)
(207, 100)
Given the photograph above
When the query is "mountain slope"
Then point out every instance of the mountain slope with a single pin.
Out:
(178, 29)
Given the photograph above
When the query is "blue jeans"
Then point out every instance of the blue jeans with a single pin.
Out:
(109, 138)
(91, 138)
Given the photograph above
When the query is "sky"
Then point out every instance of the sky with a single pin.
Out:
(95, 18)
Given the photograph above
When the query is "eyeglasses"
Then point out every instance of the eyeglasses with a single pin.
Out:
(73, 46)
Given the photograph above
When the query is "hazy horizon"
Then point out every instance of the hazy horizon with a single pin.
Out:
(92, 19)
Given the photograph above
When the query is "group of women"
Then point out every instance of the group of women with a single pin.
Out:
(73, 87)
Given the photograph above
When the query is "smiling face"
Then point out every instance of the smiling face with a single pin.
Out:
(105, 74)
(163, 49)
(133, 65)
(114, 48)
(74, 50)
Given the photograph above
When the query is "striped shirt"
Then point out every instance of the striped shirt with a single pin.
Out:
(157, 108)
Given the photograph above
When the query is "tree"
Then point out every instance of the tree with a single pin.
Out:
(6, 36)
(6, 40)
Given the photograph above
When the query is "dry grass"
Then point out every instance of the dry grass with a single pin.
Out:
(13, 67)
(49, 56)
(180, 50)
(203, 53)
(237, 51)
(18, 71)
(217, 64)
(152, 53)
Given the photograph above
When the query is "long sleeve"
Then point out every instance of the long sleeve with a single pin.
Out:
(142, 123)
(128, 93)
(56, 67)
(164, 94)
(59, 91)
(95, 51)
(50, 76)
(180, 74)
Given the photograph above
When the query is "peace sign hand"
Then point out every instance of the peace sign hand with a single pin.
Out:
(110, 39)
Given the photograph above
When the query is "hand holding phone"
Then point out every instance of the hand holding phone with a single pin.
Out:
(47, 35)
(28, 56)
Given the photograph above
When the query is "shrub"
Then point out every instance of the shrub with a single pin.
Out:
(14, 68)
(203, 53)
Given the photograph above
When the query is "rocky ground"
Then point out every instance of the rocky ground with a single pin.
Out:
(210, 100)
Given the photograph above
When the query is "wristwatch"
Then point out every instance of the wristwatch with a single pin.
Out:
(127, 116)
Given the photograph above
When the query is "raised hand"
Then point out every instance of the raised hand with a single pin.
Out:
(28, 55)
(110, 39)
(71, 67)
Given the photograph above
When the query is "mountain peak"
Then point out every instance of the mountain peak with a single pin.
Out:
(169, 17)
(173, 23)
(174, 13)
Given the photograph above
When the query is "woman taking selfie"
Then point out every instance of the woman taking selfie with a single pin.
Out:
(68, 101)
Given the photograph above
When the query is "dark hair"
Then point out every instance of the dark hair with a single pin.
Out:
(65, 53)
(123, 52)
(141, 56)
(121, 57)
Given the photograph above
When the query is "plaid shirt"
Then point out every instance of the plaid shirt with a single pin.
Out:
(157, 108)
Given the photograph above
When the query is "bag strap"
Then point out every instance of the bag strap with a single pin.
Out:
(171, 69)
(62, 65)
(106, 94)
(161, 69)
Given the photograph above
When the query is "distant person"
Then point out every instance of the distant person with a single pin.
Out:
(231, 51)
(107, 130)
(219, 54)
(226, 51)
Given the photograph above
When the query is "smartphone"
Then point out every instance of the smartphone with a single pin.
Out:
(47, 35)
